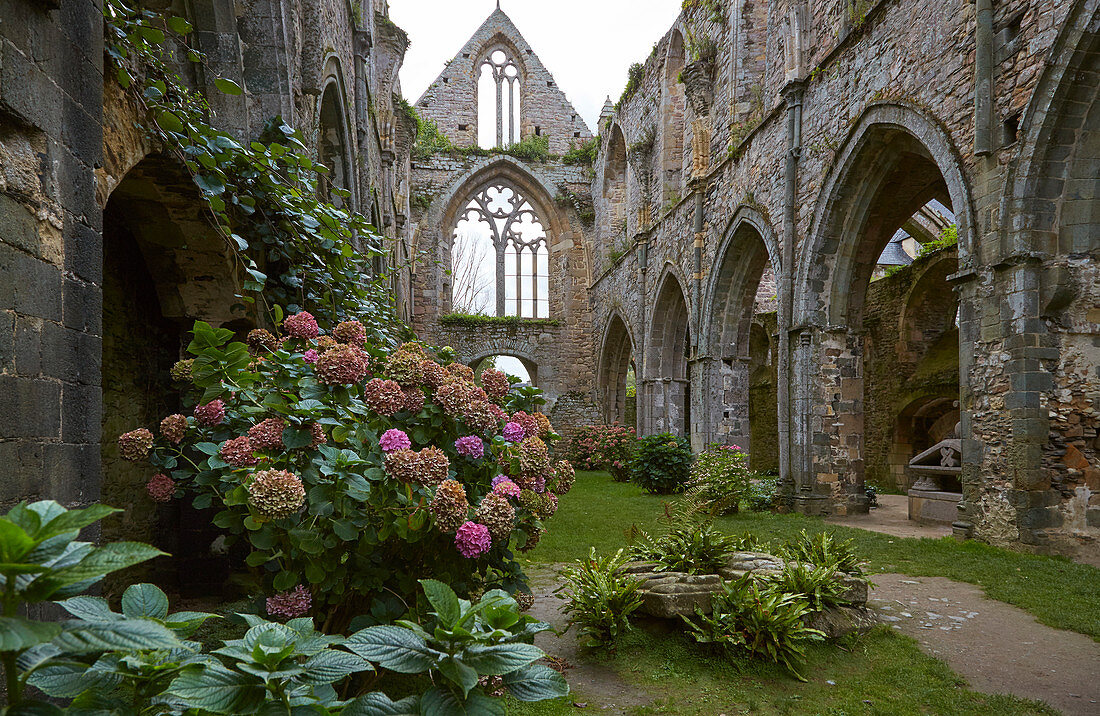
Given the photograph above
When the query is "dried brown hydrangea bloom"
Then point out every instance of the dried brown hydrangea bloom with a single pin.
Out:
(449, 506)
(496, 513)
(276, 493)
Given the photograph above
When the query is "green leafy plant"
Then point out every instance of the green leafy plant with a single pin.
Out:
(468, 642)
(583, 152)
(301, 472)
(759, 621)
(41, 560)
(634, 76)
(948, 237)
(695, 549)
(719, 479)
(604, 447)
(471, 320)
(662, 463)
(600, 597)
(819, 587)
(761, 492)
(290, 248)
(532, 148)
(824, 550)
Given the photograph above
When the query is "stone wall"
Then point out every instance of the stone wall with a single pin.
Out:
(809, 142)
(88, 324)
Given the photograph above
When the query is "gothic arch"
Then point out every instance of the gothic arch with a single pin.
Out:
(617, 353)
(673, 125)
(530, 202)
(667, 366)
(1054, 187)
(614, 188)
(892, 146)
(748, 244)
(748, 248)
(335, 147)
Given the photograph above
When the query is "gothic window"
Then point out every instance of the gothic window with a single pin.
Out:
(500, 261)
(498, 100)
(332, 147)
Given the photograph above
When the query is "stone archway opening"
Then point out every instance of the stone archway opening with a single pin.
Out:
(163, 267)
(618, 375)
(891, 191)
(668, 363)
(742, 317)
(523, 369)
(332, 147)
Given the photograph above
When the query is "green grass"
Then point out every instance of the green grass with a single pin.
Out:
(1059, 592)
(882, 673)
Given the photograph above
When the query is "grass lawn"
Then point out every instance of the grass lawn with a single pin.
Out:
(1059, 592)
(882, 673)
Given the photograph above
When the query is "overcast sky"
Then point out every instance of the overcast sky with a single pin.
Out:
(586, 44)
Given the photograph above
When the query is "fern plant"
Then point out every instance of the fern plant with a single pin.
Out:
(824, 550)
(819, 587)
(695, 549)
(600, 597)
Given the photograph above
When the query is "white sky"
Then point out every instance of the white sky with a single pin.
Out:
(586, 44)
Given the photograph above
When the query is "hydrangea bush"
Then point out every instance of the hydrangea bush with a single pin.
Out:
(351, 470)
(604, 447)
(719, 479)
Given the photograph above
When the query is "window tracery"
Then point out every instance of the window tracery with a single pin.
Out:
(500, 255)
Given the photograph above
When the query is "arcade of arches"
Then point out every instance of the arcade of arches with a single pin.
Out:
(867, 253)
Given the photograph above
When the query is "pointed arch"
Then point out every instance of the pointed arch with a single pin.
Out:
(667, 361)
(1055, 187)
(673, 111)
(335, 148)
(617, 357)
(614, 189)
(894, 161)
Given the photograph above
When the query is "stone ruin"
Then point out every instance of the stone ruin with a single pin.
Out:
(824, 231)
(670, 595)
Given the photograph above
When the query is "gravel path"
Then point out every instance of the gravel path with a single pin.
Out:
(997, 647)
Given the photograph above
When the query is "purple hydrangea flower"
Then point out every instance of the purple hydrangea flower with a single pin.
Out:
(513, 432)
(473, 540)
(394, 440)
(470, 446)
(311, 356)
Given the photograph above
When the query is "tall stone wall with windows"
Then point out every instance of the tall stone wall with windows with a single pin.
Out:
(809, 133)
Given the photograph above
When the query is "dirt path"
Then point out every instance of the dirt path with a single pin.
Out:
(601, 689)
(892, 517)
(997, 647)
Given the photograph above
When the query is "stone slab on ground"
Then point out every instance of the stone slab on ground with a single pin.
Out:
(892, 517)
(997, 647)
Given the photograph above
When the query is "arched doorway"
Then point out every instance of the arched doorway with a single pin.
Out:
(667, 364)
(741, 302)
(895, 163)
(618, 374)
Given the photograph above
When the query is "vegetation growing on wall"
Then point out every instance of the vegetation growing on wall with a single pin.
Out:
(291, 249)
(470, 320)
(634, 77)
(584, 152)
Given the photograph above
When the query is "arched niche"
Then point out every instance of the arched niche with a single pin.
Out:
(334, 146)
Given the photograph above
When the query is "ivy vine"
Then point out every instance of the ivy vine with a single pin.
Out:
(293, 250)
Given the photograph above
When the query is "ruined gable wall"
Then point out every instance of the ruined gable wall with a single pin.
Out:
(452, 99)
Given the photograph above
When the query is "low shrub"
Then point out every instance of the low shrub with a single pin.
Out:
(719, 479)
(604, 447)
(761, 493)
(819, 587)
(662, 463)
(757, 620)
(600, 597)
(824, 550)
(350, 469)
(695, 549)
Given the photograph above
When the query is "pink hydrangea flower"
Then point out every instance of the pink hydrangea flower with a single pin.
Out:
(290, 605)
(470, 446)
(311, 356)
(161, 487)
(301, 325)
(504, 486)
(473, 540)
(210, 414)
(513, 432)
(393, 440)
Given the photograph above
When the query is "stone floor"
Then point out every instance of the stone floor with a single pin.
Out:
(892, 517)
(997, 647)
